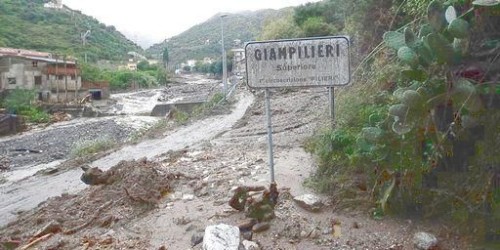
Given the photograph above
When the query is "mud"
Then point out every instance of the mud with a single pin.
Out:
(210, 158)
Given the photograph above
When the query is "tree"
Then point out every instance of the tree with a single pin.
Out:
(165, 57)
(281, 28)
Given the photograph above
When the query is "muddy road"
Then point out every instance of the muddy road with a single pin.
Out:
(202, 163)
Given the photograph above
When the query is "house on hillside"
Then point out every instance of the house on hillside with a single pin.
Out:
(54, 79)
(54, 4)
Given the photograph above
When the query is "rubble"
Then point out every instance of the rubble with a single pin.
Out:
(221, 236)
(309, 202)
(425, 241)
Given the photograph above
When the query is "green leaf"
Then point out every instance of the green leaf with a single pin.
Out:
(464, 94)
(459, 28)
(399, 111)
(461, 46)
(435, 15)
(410, 38)
(416, 75)
(486, 3)
(394, 39)
(408, 56)
(425, 30)
(425, 56)
(371, 134)
(441, 48)
(401, 127)
(411, 98)
(450, 14)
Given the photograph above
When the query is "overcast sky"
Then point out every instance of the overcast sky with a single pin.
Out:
(151, 21)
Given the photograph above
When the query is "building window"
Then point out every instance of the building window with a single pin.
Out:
(60, 77)
(35, 64)
(73, 78)
(38, 80)
(11, 80)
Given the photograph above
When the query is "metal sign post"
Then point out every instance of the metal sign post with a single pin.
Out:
(309, 62)
(270, 134)
(331, 97)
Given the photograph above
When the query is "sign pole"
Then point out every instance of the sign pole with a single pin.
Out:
(331, 96)
(270, 134)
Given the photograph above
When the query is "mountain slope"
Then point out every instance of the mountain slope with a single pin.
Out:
(203, 40)
(28, 24)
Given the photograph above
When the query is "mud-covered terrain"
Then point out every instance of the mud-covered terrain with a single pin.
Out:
(185, 183)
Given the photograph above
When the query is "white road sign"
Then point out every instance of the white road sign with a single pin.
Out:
(314, 62)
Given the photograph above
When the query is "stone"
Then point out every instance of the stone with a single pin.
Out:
(309, 202)
(247, 224)
(315, 233)
(94, 176)
(51, 227)
(221, 236)
(196, 238)
(425, 241)
(247, 235)
(188, 197)
(250, 245)
(260, 227)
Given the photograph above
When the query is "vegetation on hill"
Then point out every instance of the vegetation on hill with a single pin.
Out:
(146, 76)
(204, 40)
(417, 132)
(28, 24)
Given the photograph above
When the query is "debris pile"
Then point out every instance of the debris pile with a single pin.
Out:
(121, 193)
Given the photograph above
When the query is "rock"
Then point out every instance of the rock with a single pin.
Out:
(250, 245)
(93, 176)
(309, 202)
(188, 197)
(424, 241)
(315, 233)
(48, 171)
(247, 224)
(304, 234)
(247, 235)
(51, 227)
(221, 236)
(196, 238)
(260, 227)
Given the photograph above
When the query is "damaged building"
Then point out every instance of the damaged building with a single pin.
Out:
(54, 79)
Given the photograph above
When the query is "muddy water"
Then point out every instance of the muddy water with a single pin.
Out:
(136, 103)
(29, 192)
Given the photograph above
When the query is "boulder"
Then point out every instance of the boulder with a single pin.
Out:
(309, 202)
(425, 241)
(221, 236)
(250, 245)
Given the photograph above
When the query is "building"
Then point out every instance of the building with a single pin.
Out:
(238, 61)
(54, 79)
(54, 4)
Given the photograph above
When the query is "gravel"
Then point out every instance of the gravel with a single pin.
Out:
(54, 144)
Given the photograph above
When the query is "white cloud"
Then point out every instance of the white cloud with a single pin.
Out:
(150, 21)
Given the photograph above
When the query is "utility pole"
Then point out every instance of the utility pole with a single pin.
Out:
(224, 66)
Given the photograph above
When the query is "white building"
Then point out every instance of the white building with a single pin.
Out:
(54, 4)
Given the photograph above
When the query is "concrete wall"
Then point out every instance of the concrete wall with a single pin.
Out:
(23, 71)
(164, 109)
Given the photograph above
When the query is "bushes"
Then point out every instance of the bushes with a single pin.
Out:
(418, 136)
(19, 101)
(89, 147)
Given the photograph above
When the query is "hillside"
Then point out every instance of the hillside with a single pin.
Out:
(28, 24)
(203, 40)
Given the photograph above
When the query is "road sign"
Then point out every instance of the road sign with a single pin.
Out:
(309, 62)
